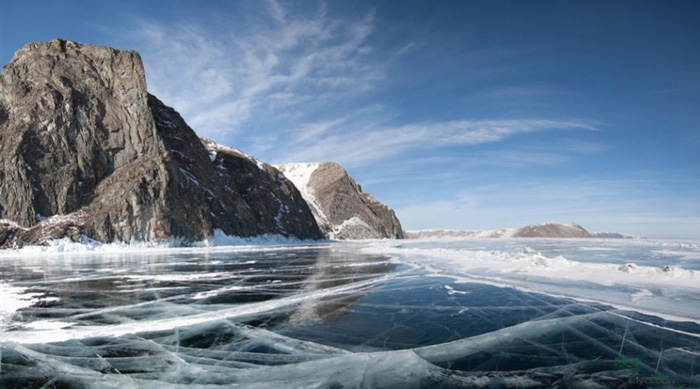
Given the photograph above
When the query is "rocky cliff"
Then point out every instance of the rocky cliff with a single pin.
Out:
(341, 209)
(86, 151)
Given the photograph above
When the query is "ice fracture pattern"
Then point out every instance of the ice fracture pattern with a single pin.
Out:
(383, 314)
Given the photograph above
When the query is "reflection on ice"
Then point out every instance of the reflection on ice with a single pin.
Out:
(328, 316)
(188, 294)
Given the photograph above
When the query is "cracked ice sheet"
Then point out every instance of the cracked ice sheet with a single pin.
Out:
(322, 316)
(629, 274)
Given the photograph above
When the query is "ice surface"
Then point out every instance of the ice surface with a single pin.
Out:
(395, 314)
(654, 284)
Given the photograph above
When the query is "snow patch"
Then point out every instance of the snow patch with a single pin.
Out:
(14, 298)
(356, 228)
(353, 222)
(213, 148)
(529, 263)
(300, 175)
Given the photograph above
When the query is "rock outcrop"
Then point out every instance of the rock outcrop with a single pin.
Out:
(552, 230)
(341, 209)
(86, 151)
(543, 230)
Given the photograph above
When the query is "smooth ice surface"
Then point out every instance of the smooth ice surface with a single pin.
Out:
(426, 313)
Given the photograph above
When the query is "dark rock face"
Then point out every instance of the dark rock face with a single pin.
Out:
(276, 203)
(83, 144)
(343, 210)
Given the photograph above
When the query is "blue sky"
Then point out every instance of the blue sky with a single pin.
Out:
(457, 114)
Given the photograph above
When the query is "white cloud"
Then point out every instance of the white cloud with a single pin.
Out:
(301, 80)
(515, 158)
(267, 69)
(356, 145)
(406, 48)
(517, 203)
(520, 92)
(611, 204)
(289, 83)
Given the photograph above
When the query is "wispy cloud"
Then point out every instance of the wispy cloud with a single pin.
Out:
(618, 204)
(293, 86)
(523, 91)
(222, 80)
(406, 48)
(357, 146)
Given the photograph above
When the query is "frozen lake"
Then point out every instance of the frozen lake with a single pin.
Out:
(423, 313)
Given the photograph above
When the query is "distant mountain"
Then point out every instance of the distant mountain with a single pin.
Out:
(340, 207)
(542, 230)
(86, 151)
(552, 230)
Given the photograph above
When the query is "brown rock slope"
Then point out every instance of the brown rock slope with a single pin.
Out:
(342, 210)
(552, 230)
(86, 151)
(542, 230)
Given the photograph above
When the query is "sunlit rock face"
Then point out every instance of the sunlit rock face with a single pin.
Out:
(341, 208)
(85, 151)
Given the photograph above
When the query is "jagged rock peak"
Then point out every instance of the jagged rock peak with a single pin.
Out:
(111, 64)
